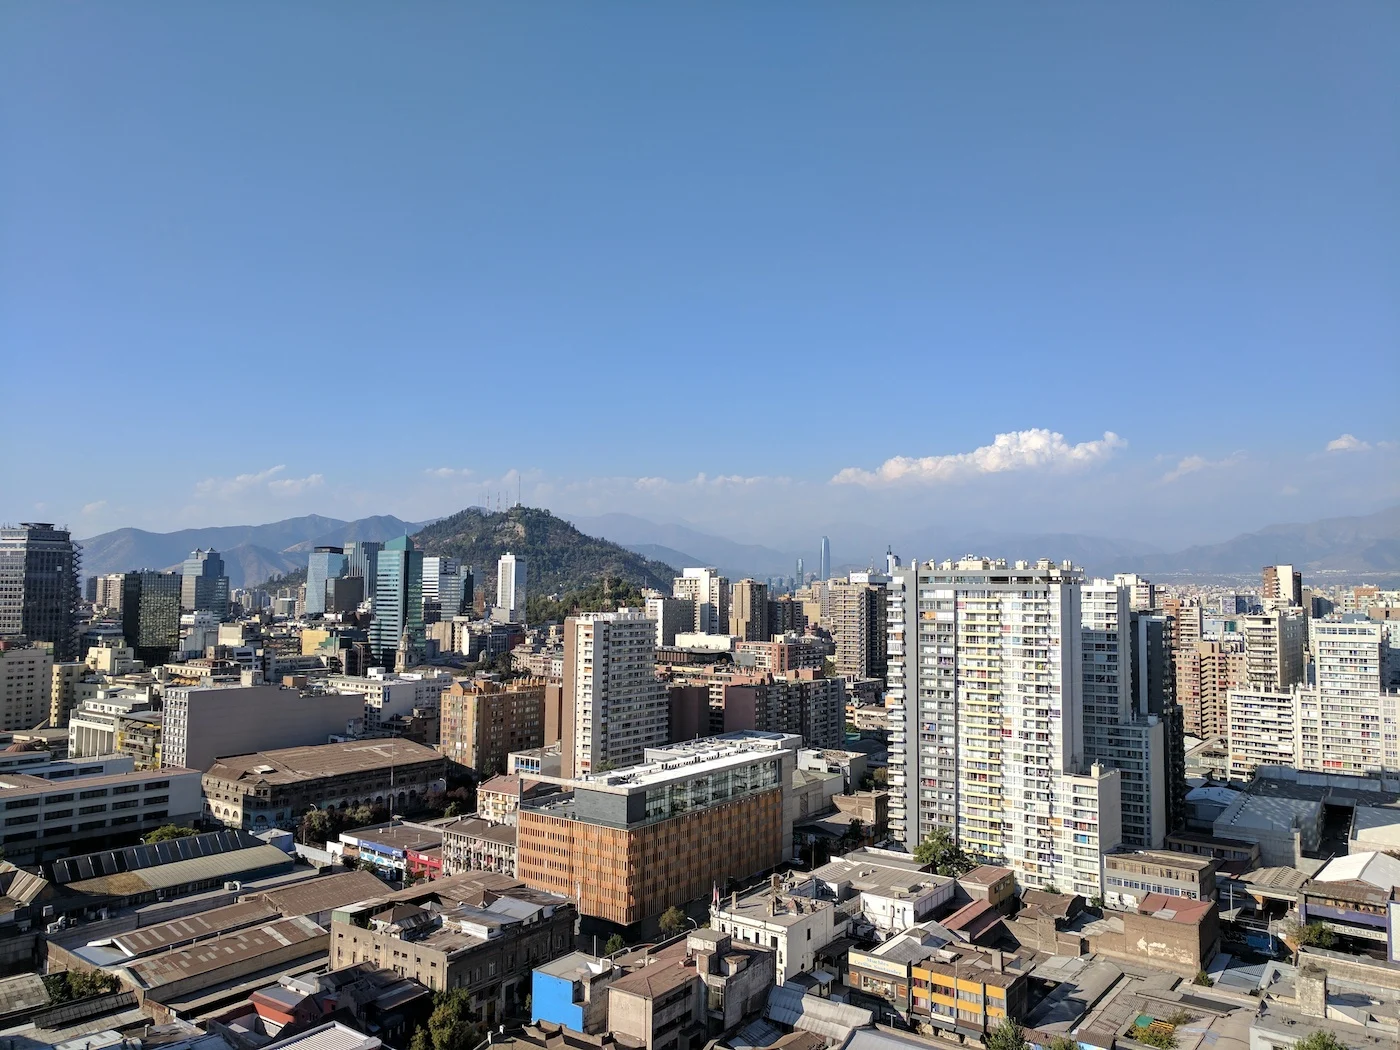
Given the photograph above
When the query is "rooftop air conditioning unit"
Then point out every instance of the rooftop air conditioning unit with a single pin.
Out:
(233, 886)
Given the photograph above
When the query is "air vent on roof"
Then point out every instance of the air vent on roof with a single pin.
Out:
(264, 769)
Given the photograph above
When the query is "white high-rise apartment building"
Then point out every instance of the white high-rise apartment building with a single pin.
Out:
(1273, 649)
(614, 707)
(1119, 731)
(1348, 656)
(1142, 593)
(710, 593)
(1262, 730)
(1347, 734)
(985, 696)
(510, 588)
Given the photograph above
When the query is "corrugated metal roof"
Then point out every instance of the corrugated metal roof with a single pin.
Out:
(809, 1013)
(239, 863)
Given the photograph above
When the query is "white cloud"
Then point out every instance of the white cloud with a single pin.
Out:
(1347, 443)
(448, 472)
(296, 486)
(1036, 449)
(226, 487)
(1195, 464)
(94, 506)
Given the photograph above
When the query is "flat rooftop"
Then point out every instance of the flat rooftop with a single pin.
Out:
(325, 893)
(878, 878)
(691, 759)
(576, 966)
(16, 784)
(1167, 858)
(290, 765)
(148, 940)
(793, 904)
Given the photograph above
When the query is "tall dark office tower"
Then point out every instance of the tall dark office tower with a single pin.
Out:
(39, 586)
(825, 559)
(203, 584)
(151, 614)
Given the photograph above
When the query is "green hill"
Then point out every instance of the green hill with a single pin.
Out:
(559, 558)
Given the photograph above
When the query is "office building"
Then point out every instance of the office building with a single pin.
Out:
(202, 723)
(389, 696)
(1283, 587)
(1273, 649)
(151, 614)
(26, 675)
(1261, 730)
(274, 789)
(477, 933)
(629, 843)
(344, 595)
(1205, 674)
(39, 593)
(614, 708)
(45, 816)
(398, 599)
(978, 647)
(708, 592)
(483, 722)
(204, 584)
(748, 611)
(447, 589)
(857, 620)
(1129, 877)
(824, 560)
(322, 565)
(362, 560)
(672, 615)
(510, 588)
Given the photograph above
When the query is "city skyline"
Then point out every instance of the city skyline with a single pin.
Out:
(1128, 208)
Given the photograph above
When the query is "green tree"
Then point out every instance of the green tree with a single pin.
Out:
(166, 832)
(672, 921)
(1314, 935)
(421, 1040)
(450, 1026)
(1161, 1038)
(943, 853)
(1319, 1040)
(855, 832)
(69, 985)
(615, 944)
(1006, 1036)
(317, 825)
(1063, 1042)
(1203, 979)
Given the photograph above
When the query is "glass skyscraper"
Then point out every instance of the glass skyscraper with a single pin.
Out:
(204, 584)
(362, 559)
(325, 563)
(398, 598)
(39, 586)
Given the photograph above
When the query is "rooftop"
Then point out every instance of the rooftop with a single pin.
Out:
(219, 866)
(324, 894)
(290, 765)
(576, 966)
(1377, 869)
(865, 874)
(148, 940)
(791, 904)
(476, 828)
(1175, 909)
(691, 759)
(1189, 861)
(393, 837)
(984, 875)
(226, 950)
(19, 784)
(665, 971)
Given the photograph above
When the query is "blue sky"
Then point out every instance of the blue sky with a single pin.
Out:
(769, 268)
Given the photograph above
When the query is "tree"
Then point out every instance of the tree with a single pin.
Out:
(317, 826)
(855, 832)
(69, 985)
(615, 944)
(421, 1040)
(1203, 979)
(672, 921)
(165, 833)
(1314, 934)
(1161, 1038)
(450, 1025)
(1063, 1042)
(1319, 1040)
(1006, 1036)
(943, 853)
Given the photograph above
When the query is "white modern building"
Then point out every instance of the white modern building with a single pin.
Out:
(1348, 656)
(985, 698)
(791, 918)
(447, 582)
(709, 593)
(389, 695)
(510, 588)
(673, 616)
(614, 707)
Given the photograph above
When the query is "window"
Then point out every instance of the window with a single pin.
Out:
(29, 818)
(156, 785)
(94, 793)
(156, 800)
(59, 798)
(92, 809)
(21, 803)
(124, 820)
(125, 789)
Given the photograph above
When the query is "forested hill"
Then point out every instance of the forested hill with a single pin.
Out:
(559, 558)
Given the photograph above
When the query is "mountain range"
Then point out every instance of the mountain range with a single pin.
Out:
(645, 552)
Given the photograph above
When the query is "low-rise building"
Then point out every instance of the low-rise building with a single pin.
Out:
(498, 799)
(480, 933)
(1129, 877)
(388, 846)
(690, 992)
(473, 844)
(791, 918)
(43, 818)
(573, 991)
(894, 891)
(275, 788)
(963, 989)
(990, 883)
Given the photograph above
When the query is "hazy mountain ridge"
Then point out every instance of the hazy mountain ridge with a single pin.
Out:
(251, 553)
